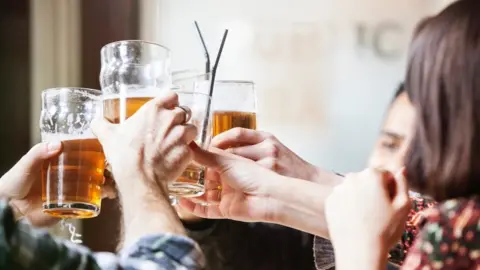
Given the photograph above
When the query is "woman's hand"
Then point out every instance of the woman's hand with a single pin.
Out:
(237, 188)
(240, 189)
(366, 216)
(266, 150)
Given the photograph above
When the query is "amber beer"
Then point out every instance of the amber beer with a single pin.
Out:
(225, 120)
(118, 109)
(72, 182)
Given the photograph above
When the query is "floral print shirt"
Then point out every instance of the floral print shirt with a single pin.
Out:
(449, 237)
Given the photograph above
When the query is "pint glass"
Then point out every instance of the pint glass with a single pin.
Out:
(132, 73)
(234, 104)
(72, 181)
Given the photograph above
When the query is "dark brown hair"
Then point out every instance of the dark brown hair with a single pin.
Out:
(443, 82)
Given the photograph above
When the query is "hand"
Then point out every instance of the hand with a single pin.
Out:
(252, 193)
(370, 208)
(146, 152)
(22, 184)
(244, 194)
(153, 143)
(266, 150)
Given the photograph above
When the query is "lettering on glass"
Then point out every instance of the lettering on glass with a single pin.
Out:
(384, 39)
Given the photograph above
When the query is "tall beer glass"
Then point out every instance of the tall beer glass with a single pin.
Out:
(234, 104)
(192, 182)
(72, 182)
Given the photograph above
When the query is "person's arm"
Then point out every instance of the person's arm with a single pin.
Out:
(300, 203)
(22, 247)
(140, 207)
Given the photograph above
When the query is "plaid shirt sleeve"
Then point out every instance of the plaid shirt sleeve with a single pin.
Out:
(25, 248)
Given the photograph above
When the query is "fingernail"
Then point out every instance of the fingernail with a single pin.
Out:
(54, 146)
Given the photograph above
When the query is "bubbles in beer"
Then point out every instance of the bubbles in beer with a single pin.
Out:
(74, 237)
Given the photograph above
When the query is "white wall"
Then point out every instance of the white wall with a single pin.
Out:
(55, 54)
(325, 70)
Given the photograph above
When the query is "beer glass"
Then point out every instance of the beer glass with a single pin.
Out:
(132, 73)
(72, 181)
(234, 104)
(192, 181)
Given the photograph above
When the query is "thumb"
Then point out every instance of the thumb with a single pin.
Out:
(101, 128)
(34, 158)
(213, 159)
(19, 179)
(401, 198)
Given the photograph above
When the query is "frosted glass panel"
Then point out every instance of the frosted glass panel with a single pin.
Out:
(324, 70)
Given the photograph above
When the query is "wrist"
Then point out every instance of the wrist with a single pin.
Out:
(299, 204)
(146, 215)
(136, 185)
(327, 178)
(350, 256)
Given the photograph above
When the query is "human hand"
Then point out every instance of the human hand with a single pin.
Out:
(151, 145)
(22, 184)
(148, 150)
(244, 193)
(266, 150)
(370, 208)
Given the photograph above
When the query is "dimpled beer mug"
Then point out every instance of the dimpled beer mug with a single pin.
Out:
(72, 181)
(133, 72)
(234, 104)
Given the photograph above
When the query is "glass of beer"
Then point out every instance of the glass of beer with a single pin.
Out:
(133, 69)
(191, 182)
(72, 181)
(134, 72)
(234, 104)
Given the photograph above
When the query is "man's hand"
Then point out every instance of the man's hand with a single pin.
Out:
(146, 152)
(22, 184)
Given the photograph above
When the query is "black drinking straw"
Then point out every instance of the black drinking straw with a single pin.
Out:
(205, 50)
(212, 83)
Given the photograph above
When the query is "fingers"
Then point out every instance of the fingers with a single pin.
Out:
(209, 159)
(169, 100)
(34, 158)
(102, 129)
(256, 152)
(238, 137)
(199, 210)
(108, 189)
(20, 178)
(183, 134)
(401, 199)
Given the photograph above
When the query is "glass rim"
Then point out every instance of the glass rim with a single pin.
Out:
(235, 81)
(84, 90)
(192, 93)
(108, 45)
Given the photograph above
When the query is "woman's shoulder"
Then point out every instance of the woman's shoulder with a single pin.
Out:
(458, 214)
(449, 236)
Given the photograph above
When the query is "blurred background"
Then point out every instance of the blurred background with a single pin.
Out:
(324, 70)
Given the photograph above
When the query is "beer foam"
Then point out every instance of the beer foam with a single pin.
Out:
(134, 92)
(71, 230)
(49, 137)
